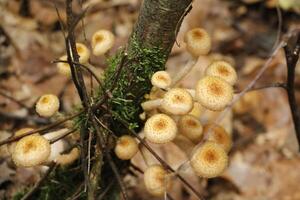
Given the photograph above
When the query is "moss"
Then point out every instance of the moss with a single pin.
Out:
(134, 80)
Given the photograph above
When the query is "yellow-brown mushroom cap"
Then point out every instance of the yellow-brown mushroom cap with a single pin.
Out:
(31, 151)
(63, 68)
(126, 147)
(177, 101)
(155, 179)
(161, 79)
(11, 146)
(223, 70)
(47, 105)
(214, 93)
(160, 128)
(198, 42)
(209, 160)
(83, 52)
(102, 41)
(190, 127)
(217, 134)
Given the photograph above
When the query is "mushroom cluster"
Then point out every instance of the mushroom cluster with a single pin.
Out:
(173, 114)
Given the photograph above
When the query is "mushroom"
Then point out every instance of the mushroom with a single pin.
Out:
(83, 52)
(209, 160)
(63, 67)
(198, 42)
(223, 70)
(190, 127)
(126, 147)
(31, 151)
(155, 179)
(47, 105)
(161, 79)
(160, 128)
(213, 93)
(102, 41)
(176, 101)
(69, 158)
(217, 134)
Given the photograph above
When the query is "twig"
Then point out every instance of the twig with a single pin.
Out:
(35, 119)
(292, 50)
(62, 136)
(117, 175)
(102, 195)
(40, 182)
(40, 130)
(14, 100)
(272, 85)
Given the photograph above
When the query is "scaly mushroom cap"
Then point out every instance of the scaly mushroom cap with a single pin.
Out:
(155, 179)
(217, 134)
(190, 127)
(31, 151)
(177, 101)
(102, 41)
(69, 158)
(198, 42)
(11, 146)
(47, 105)
(223, 70)
(83, 52)
(209, 160)
(126, 147)
(64, 68)
(160, 128)
(161, 79)
(214, 93)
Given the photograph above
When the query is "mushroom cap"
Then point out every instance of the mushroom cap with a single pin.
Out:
(197, 110)
(215, 133)
(68, 158)
(209, 160)
(47, 105)
(160, 128)
(198, 42)
(126, 147)
(177, 101)
(31, 151)
(213, 93)
(223, 70)
(190, 127)
(155, 179)
(64, 68)
(102, 41)
(161, 79)
(83, 52)
(22, 131)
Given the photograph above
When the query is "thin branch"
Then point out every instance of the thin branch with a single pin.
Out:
(117, 175)
(39, 183)
(14, 100)
(272, 85)
(63, 136)
(292, 50)
(40, 130)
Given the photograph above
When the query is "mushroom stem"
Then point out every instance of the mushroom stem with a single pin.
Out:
(151, 104)
(183, 72)
(192, 92)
